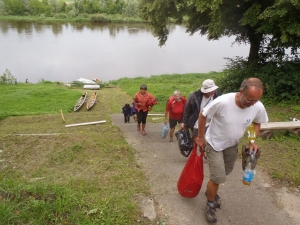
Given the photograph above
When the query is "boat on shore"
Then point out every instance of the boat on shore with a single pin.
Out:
(91, 86)
(80, 102)
(92, 100)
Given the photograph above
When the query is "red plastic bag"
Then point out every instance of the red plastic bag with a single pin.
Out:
(191, 178)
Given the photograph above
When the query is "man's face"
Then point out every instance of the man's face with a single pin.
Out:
(209, 94)
(250, 98)
(212, 93)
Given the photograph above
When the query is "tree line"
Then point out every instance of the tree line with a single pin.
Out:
(270, 27)
(63, 9)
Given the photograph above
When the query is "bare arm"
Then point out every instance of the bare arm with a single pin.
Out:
(201, 128)
(254, 146)
(166, 116)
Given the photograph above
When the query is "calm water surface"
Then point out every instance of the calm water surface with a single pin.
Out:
(64, 52)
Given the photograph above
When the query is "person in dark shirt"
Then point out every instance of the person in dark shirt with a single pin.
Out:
(126, 110)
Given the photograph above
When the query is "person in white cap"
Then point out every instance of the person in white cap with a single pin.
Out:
(230, 116)
(196, 102)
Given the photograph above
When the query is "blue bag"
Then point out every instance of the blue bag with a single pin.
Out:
(164, 130)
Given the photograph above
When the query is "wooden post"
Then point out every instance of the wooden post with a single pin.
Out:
(62, 116)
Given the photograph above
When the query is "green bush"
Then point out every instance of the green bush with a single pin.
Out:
(280, 78)
(83, 15)
(60, 15)
(72, 14)
(7, 78)
(99, 18)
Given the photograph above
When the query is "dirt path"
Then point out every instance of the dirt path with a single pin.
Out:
(260, 204)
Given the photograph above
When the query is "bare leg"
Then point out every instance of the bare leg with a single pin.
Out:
(172, 133)
(181, 126)
(143, 126)
(211, 190)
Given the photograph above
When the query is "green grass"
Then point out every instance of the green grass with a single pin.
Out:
(44, 98)
(88, 174)
(85, 175)
(163, 86)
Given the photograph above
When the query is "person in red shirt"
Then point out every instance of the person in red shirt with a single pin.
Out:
(144, 102)
(175, 108)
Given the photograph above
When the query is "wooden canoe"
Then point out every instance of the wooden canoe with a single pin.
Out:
(91, 102)
(80, 101)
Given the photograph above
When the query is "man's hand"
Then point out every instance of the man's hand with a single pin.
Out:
(201, 142)
(253, 146)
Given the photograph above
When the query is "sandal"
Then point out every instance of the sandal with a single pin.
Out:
(143, 132)
(246, 157)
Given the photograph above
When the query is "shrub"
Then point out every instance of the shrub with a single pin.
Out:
(72, 14)
(280, 78)
(83, 15)
(7, 78)
(60, 15)
(99, 18)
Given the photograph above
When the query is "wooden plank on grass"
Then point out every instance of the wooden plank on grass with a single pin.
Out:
(88, 123)
(280, 125)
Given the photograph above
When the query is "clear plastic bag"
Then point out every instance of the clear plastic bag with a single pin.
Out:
(164, 130)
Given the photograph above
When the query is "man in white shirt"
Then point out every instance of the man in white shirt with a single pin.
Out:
(230, 115)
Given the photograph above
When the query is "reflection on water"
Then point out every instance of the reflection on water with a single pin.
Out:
(67, 51)
(57, 27)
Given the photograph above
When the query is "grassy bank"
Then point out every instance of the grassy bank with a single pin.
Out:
(88, 174)
(104, 18)
(85, 175)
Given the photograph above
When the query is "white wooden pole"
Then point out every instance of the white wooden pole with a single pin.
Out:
(88, 123)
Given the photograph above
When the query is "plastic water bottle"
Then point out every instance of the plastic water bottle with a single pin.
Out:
(251, 133)
(249, 172)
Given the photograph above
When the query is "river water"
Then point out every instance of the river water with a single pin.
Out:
(65, 52)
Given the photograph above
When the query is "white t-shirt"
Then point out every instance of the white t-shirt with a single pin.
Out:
(204, 102)
(229, 122)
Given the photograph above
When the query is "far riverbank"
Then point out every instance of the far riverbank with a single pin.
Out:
(83, 18)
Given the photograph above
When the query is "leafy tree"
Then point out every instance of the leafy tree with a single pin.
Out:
(14, 7)
(267, 25)
(131, 8)
(46, 8)
(36, 7)
(7, 78)
(2, 7)
(55, 6)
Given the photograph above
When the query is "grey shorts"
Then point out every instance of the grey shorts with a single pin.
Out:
(220, 163)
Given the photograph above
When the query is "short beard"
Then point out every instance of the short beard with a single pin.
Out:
(242, 103)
